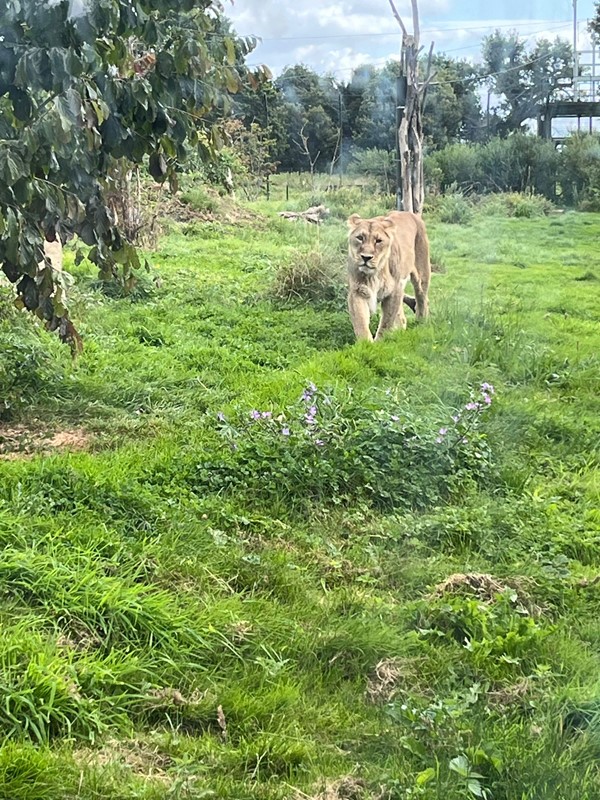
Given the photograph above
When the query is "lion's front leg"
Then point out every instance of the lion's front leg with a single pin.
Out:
(392, 313)
(360, 314)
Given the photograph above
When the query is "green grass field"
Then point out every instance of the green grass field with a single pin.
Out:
(368, 599)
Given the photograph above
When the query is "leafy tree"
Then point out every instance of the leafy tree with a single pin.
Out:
(85, 84)
(524, 79)
(594, 25)
(375, 123)
(452, 108)
(309, 103)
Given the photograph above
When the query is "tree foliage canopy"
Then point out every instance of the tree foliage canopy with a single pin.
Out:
(523, 79)
(83, 84)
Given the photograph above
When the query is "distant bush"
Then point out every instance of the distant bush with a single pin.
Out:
(201, 199)
(518, 163)
(515, 204)
(375, 163)
(455, 165)
(455, 209)
(317, 275)
(579, 172)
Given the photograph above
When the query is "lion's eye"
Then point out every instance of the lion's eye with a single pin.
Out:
(378, 241)
(360, 237)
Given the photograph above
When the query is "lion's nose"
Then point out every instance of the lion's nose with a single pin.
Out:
(366, 258)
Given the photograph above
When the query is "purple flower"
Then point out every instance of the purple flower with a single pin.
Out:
(439, 440)
(310, 420)
(487, 400)
(285, 431)
(472, 406)
(394, 418)
(255, 414)
(307, 394)
(319, 442)
(456, 418)
(266, 415)
(221, 416)
(487, 387)
(312, 411)
(443, 431)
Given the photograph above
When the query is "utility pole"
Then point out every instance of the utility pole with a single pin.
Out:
(400, 106)
(575, 59)
(341, 124)
(268, 186)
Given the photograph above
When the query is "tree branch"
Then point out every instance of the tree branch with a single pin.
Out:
(429, 76)
(398, 18)
(415, 16)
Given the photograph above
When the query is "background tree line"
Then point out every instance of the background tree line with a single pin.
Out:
(308, 115)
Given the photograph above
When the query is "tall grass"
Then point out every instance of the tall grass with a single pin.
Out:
(203, 604)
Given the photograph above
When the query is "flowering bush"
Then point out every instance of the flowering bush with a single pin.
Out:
(332, 449)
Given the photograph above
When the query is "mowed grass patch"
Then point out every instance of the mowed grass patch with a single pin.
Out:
(205, 605)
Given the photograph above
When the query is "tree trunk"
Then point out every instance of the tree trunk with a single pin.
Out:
(410, 132)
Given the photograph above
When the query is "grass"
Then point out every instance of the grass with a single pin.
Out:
(186, 619)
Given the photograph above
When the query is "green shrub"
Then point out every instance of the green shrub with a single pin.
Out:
(579, 173)
(515, 204)
(375, 163)
(514, 164)
(454, 165)
(455, 209)
(201, 199)
(499, 636)
(327, 449)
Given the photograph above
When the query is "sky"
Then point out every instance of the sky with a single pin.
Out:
(337, 35)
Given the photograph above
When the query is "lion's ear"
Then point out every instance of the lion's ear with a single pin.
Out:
(387, 222)
(354, 220)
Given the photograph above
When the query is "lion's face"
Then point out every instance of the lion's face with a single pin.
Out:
(369, 243)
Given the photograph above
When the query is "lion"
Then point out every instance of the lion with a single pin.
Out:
(384, 253)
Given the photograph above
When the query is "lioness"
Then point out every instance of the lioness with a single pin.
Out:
(384, 253)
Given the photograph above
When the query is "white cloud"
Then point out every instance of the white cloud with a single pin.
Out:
(337, 35)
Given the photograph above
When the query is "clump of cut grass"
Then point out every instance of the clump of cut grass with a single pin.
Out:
(314, 276)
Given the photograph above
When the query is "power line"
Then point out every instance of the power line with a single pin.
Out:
(555, 24)
(385, 59)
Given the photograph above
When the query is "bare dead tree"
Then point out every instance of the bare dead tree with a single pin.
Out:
(410, 133)
(305, 150)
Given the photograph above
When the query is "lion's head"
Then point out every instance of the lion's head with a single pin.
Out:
(369, 243)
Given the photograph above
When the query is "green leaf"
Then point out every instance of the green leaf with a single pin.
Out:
(230, 48)
(22, 105)
(425, 776)
(476, 788)
(158, 167)
(460, 765)
(11, 166)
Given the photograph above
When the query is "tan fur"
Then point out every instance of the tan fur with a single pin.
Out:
(54, 252)
(383, 254)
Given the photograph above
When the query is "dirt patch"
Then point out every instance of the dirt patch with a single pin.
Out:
(26, 441)
(142, 758)
(513, 696)
(383, 683)
(486, 587)
(347, 788)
